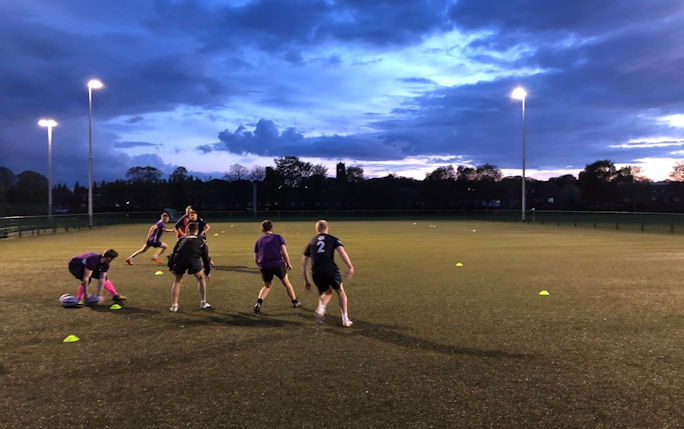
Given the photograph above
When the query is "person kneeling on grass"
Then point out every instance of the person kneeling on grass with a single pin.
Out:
(154, 240)
(270, 255)
(189, 254)
(87, 266)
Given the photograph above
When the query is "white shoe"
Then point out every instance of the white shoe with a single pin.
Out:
(347, 323)
(206, 306)
(174, 308)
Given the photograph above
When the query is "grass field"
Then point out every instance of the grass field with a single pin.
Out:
(433, 344)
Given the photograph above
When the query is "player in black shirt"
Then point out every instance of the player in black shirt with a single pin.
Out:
(188, 255)
(324, 271)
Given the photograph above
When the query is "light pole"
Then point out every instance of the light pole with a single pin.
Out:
(92, 84)
(49, 124)
(520, 94)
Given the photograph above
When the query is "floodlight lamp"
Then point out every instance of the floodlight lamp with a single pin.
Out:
(49, 123)
(518, 94)
(95, 84)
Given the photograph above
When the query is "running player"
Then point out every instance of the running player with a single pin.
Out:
(154, 240)
(87, 266)
(324, 271)
(270, 255)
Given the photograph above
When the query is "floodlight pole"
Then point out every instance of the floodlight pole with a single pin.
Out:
(92, 84)
(523, 160)
(49, 124)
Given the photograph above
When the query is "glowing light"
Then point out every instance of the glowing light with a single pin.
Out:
(49, 123)
(95, 84)
(518, 94)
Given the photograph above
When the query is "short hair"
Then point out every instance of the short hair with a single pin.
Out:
(192, 212)
(110, 253)
(188, 209)
(321, 226)
(165, 214)
(266, 225)
(193, 227)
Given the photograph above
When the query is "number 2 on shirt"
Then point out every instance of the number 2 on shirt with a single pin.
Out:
(321, 247)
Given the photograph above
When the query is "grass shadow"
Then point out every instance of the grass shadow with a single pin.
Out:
(236, 269)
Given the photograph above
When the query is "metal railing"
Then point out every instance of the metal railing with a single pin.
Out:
(19, 226)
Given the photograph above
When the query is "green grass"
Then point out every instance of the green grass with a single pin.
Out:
(433, 345)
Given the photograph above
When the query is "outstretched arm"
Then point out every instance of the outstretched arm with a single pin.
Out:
(345, 258)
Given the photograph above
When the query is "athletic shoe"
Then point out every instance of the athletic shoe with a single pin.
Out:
(174, 308)
(347, 323)
(157, 260)
(296, 304)
(320, 318)
(206, 306)
(129, 261)
(257, 308)
(119, 298)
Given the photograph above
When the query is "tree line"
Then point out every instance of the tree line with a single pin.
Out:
(294, 184)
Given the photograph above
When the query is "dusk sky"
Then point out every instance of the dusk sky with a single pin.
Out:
(392, 86)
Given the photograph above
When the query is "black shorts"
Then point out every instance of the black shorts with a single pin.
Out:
(325, 281)
(154, 244)
(77, 270)
(279, 271)
(192, 267)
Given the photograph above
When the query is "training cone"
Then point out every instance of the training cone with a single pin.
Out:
(158, 273)
(544, 293)
(459, 264)
(115, 307)
(70, 339)
(216, 235)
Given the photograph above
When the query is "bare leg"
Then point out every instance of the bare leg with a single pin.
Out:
(175, 289)
(201, 286)
(288, 287)
(263, 293)
(137, 252)
(162, 247)
(342, 297)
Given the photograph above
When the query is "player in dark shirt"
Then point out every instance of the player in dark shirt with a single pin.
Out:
(188, 255)
(270, 255)
(182, 223)
(324, 271)
(202, 227)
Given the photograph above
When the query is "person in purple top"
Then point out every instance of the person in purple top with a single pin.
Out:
(154, 240)
(91, 265)
(270, 255)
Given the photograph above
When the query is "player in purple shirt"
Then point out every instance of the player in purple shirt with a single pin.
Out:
(270, 255)
(154, 240)
(91, 265)
(324, 271)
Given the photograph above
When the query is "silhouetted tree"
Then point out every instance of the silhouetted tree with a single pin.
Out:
(146, 174)
(237, 172)
(441, 173)
(677, 174)
(179, 175)
(354, 174)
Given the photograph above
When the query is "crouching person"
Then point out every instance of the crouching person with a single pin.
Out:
(190, 254)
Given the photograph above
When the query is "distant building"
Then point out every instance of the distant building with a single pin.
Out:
(341, 172)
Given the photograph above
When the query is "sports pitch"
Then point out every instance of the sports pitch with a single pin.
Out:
(433, 345)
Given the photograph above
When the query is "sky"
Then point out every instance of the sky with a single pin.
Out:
(393, 86)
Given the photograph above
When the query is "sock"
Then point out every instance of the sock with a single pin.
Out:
(321, 309)
(260, 301)
(81, 292)
(109, 287)
(345, 317)
(294, 301)
(202, 302)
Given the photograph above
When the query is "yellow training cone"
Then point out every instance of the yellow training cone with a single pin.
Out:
(158, 273)
(544, 292)
(459, 264)
(70, 339)
(115, 307)
(216, 235)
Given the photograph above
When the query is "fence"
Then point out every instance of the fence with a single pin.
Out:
(18, 226)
